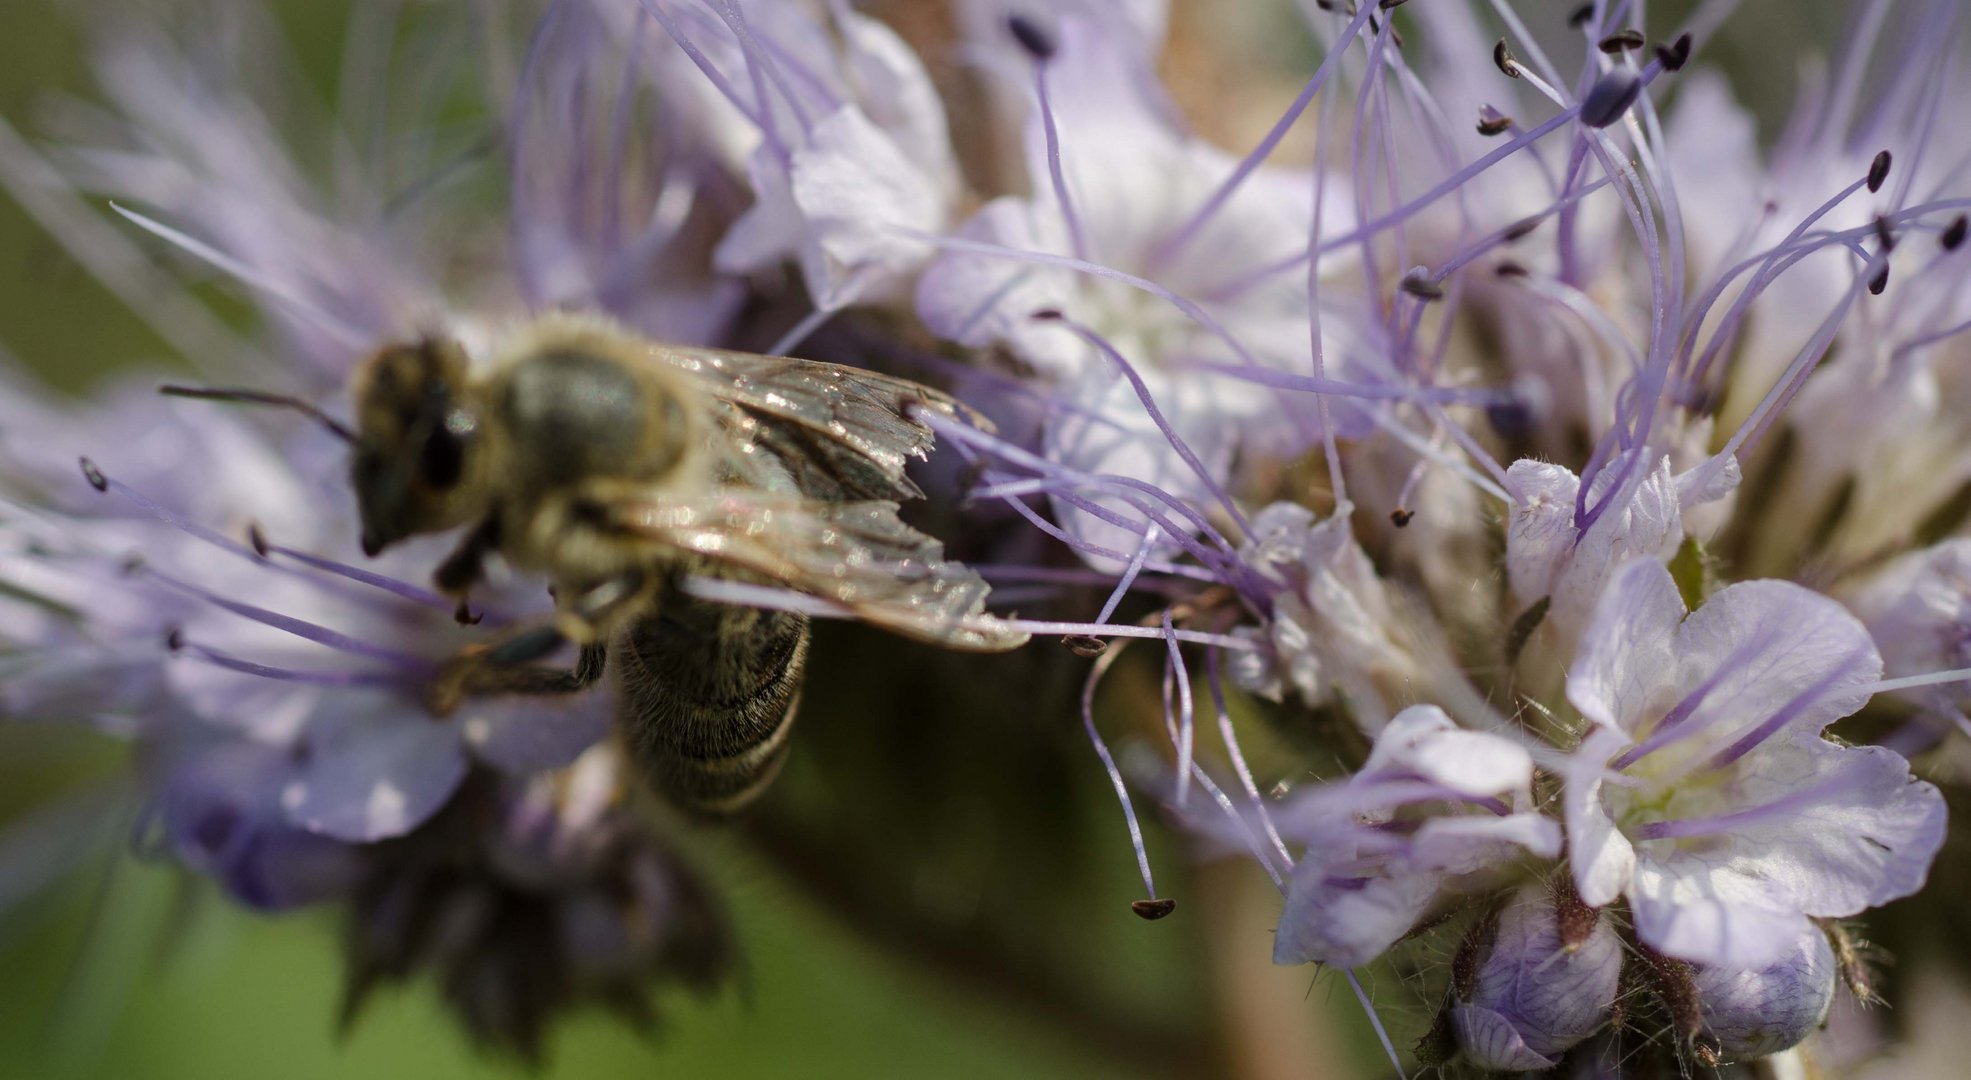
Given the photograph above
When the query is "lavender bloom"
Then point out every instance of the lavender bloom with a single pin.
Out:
(1434, 810)
(1534, 993)
(1116, 183)
(567, 899)
(1762, 1009)
(1704, 791)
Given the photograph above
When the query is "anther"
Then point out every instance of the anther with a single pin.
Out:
(1520, 230)
(1878, 171)
(1884, 233)
(1675, 55)
(1511, 419)
(257, 538)
(1579, 17)
(1036, 41)
(132, 565)
(465, 616)
(1387, 4)
(94, 475)
(1954, 234)
(1505, 60)
(174, 639)
(1507, 268)
(1610, 97)
(1085, 646)
(1418, 284)
(1492, 122)
(1880, 281)
(1622, 41)
(1047, 315)
(1401, 518)
(1152, 910)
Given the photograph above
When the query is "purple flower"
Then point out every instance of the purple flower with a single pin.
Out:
(1534, 995)
(1758, 1010)
(1704, 791)
(1434, 810)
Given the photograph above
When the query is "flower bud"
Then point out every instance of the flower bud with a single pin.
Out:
(1531, 997)
(1752, 1013)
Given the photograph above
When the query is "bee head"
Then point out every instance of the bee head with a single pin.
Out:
(417, 443)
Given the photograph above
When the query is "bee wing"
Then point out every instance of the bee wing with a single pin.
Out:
(859, 555)
(844, 433)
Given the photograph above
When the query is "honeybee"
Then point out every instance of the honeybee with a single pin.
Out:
(618, 467)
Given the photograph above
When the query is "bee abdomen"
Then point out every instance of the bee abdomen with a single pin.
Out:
(708, 696)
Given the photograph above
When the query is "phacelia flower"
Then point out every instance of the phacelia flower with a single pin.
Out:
(1705, 791)
(1755, 1011)
(1530, 992)
(1434, 809)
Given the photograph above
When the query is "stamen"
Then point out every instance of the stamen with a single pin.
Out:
(1502, 57)
(1878, 171)
(1037, 42)
(176, 642)
(1184, 735)
(1580, 16)
(1610, 97)
(1030, 36)
(1401, 518)
(1621, 41)
(1954, 234)
(1143, 395)
(1109, 766)
(1674, 56)
(1493, 122)
(1884, 234)
(323, 319)
(300, 628)
(1417, 282)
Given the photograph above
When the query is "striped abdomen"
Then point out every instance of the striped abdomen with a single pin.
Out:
(708, 695)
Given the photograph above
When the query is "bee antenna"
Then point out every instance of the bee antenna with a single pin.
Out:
(261, 397)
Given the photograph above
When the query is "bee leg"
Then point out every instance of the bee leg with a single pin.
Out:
(507, 667)
(466, 565)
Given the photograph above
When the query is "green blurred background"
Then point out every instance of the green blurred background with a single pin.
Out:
(939, 887)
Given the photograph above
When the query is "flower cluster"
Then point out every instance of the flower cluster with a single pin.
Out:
(1540, 449)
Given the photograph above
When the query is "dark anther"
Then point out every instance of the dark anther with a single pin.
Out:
(94, 475)
(1878, 171)
(465, 616)
(1047, 315)
(1035, 40)
(1579, 17)
(1879, 282)
(1085, 646)
(1511, 419)
(1504, 58)
(1622, 41)
(1152, 910)
(1884, 233)
(1610, 97)
(1955, 232)
(1325, 5)
(1509, 268)
(1387, 4)
(1418, 284)
(1675, 55)
(1519, 230)
(1495, 125)
(1400, 517)
(1374, 26)
(174, 638)
(258, 539)
(132, 564)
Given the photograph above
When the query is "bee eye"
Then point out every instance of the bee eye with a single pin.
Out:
(442, 460)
